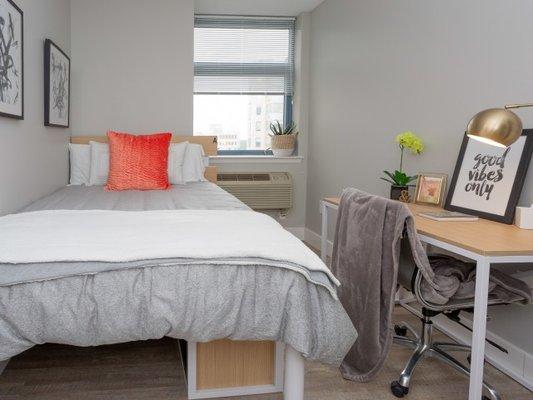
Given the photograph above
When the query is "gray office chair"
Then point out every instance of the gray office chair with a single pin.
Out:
(423, 344)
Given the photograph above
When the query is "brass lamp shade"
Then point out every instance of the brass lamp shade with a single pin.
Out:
(496, 126)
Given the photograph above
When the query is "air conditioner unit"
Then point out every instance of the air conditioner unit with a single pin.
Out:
(259, 191)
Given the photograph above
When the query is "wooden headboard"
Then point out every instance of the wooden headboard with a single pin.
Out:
(209, 143)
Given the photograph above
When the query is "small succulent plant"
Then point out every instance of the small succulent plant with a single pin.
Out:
(277, 129)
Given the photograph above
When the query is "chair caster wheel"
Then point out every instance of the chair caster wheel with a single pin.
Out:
(400, 330)
(398, 390)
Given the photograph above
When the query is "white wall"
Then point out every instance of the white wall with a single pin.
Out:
(33, 158)
(132, 62)
(384, 66)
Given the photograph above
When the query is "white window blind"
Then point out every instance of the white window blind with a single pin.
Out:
(243, 55)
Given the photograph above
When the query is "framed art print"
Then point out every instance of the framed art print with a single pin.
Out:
(430, 189)
(488, 180)
(11, 60)
(56, 86)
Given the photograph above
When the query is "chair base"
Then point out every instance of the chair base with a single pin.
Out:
(424, 346)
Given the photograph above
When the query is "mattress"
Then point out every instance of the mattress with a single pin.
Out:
(90, 304)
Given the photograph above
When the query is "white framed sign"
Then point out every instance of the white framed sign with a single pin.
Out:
(488, 180)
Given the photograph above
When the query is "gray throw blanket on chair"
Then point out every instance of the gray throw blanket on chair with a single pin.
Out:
(365, 260)
(503, 288)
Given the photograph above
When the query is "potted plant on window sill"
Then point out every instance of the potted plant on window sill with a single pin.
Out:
(399, 180)
(283, 140)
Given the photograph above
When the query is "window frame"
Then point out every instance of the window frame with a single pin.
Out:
(254, 23)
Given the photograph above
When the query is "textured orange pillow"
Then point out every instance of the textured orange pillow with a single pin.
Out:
(138, 162)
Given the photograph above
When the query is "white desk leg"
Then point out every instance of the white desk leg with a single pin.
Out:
(293, 386)
(480, 327)
(324, 237)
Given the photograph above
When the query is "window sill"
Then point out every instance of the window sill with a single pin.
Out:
(217, 160)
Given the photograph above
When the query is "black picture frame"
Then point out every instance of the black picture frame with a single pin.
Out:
(48, 46)
(21, 32)
(516, 189)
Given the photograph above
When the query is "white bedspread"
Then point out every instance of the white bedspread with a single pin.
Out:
(125, 236)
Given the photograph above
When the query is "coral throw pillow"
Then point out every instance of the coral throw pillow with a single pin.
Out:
(138, 162)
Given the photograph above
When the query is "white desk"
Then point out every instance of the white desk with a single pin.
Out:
(484, 242)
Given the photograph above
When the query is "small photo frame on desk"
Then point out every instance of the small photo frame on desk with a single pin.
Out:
(488, 180)
(430, 189)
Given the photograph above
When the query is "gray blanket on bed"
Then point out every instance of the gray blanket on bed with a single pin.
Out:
(366, 257)
(89, 304)
(192, 196)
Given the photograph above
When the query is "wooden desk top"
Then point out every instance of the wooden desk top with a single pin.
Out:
(483, 237)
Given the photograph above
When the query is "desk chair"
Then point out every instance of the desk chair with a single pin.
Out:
(422, 343)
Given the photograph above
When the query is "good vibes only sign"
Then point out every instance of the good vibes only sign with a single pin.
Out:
(488, 179)
(486, 173)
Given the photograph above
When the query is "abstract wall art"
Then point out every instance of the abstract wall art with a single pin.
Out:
(56, 86)
(11, 60)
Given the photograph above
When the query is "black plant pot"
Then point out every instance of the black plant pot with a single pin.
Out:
(396, 191)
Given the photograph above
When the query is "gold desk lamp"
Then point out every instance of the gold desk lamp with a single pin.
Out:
(497, 126)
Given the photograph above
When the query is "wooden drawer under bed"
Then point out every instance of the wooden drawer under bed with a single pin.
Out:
(232, 368)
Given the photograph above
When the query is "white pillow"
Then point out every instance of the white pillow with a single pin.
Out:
(194, 164)
(99, 163)
(80, 163)
(192, 170)
(176, 158)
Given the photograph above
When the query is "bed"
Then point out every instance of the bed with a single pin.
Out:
(237, 314)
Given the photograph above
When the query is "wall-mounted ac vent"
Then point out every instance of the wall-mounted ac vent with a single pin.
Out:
(259, 191)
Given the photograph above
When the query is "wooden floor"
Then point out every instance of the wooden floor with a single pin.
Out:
(152, 370)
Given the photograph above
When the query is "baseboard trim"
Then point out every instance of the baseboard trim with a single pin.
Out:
(315, 240)
(299, 232)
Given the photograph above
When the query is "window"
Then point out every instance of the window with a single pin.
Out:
(243, 79)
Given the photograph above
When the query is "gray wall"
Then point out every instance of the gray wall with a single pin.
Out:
(132, 62)
(384, 66)
(33, 158)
